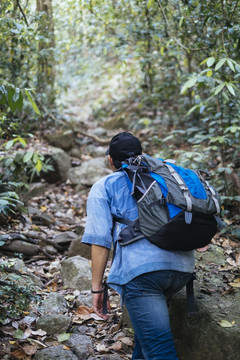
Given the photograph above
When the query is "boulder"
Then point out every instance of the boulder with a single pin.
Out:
(99, 131)
(76, 273)
(54, 303)
(84, 300)
(55, 353)
(65, 237)
(81, 345)
(78, 248)
(213, 332)
(89, 172)
(75, 152)
(96, 151)
(61, 163)
(19, 246)
(53, 323)
(27, 278)
(117, 122)
(63, 139)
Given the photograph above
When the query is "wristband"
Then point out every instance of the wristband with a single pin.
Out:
(98, 291)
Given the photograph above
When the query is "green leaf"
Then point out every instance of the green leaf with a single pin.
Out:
(12, 104)
(18, 334)
(38, 165)
(231, 65)
(192, 109)
(210, 61)
(20, 102)
(22, 141)
(64, 337)
(190, 83)
(219, 88)
(27, 156)
(209, 73)
(35, 108)
(220, 63)
(231, 89)
(149, 3)
(9, 144)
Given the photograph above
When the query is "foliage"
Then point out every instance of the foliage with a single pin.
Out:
(184, 56)
(22, 165)
(14, 298)
(176, 61)
(9, 200)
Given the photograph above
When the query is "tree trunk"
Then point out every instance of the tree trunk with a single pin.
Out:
(46, 75)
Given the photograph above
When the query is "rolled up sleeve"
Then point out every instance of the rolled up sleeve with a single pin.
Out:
(99, 223)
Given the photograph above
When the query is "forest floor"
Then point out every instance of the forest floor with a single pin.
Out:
(65, 210)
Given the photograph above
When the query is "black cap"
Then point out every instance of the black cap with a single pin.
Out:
(123, 146)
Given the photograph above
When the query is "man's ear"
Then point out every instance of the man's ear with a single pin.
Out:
(111, 163)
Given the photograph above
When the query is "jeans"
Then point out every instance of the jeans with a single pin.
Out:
(145, 299)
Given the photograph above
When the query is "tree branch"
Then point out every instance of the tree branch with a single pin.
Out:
(172, 34)
(22, 12)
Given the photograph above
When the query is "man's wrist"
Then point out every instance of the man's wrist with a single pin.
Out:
(96, 289)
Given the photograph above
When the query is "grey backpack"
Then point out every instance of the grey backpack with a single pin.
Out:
(178, 209)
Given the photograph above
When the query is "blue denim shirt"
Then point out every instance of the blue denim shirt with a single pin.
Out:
(111, 196)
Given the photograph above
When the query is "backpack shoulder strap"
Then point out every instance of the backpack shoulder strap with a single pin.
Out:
(181, 184)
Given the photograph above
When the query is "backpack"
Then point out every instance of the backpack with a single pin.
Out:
(178, 209)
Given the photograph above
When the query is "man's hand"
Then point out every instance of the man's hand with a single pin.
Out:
(97, 301)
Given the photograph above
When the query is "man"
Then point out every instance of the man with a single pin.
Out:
(143, 274)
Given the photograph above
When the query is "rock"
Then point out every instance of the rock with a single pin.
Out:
(89, 172)
(65, 237)
(54, 303)
(75, 152)
(81, 345)
(28, 278)
(63, 140)
(96, 151)
(23, 247)
(200, 336)
(84, 300)
(76, 273)
(61, 163)
(78, 248)
(54, 266)
(99, 131)
(51, 250)
(53, 323)
(55, 353)
(236, 232)
(117, 122)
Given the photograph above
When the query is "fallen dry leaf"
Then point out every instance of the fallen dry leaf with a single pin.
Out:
(126, 340)
(117, 346)
(96, 317)
(8, 330)
(39, 332)
(20, 354)
(84, 310)
(30, 349)
(102, 348)
(66, 347)
(225, 324)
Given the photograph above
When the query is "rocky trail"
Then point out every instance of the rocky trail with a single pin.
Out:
(54, 268)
